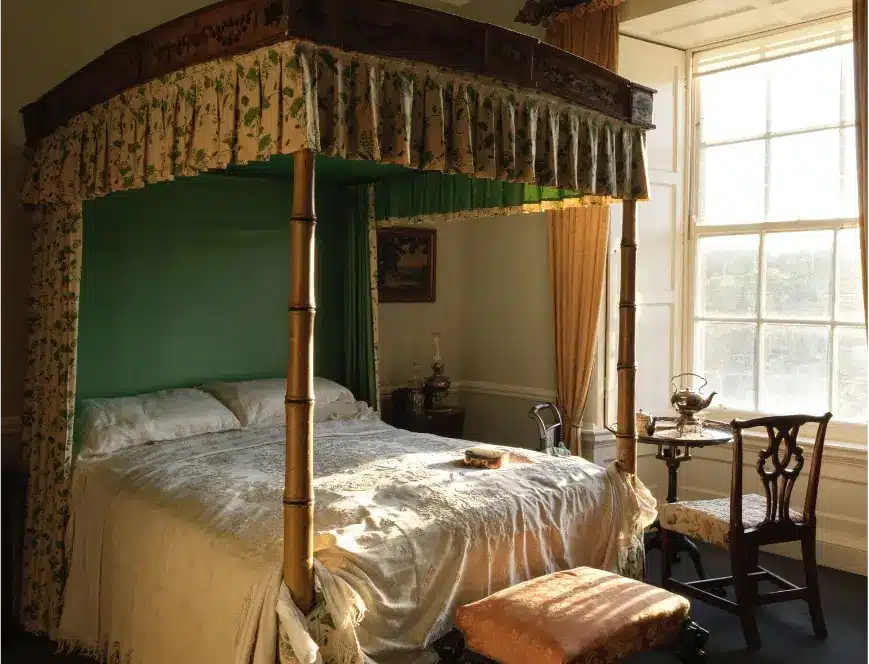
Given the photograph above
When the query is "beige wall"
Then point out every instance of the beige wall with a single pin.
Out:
(508, 362)
(494, 312)
(406, 328)
(507, 324)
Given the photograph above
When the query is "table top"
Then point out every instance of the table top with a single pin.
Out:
(713, 433)
(666, 434)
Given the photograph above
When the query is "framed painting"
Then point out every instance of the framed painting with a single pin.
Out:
(406, 263)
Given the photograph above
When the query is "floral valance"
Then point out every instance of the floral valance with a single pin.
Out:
(295, 95)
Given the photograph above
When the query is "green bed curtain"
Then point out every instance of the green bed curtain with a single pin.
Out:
(359, 366)
(163, 264)
(417, 197)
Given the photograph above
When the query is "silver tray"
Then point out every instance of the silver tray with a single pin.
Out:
(714, 433)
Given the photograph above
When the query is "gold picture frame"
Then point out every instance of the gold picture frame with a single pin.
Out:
(406, 264)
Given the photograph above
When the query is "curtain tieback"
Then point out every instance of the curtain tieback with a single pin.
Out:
(569, 421)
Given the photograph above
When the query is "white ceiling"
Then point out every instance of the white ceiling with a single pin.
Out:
(695, 23)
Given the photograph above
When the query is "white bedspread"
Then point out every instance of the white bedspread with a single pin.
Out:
(175, 548)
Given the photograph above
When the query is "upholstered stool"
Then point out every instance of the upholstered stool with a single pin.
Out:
(577, 616)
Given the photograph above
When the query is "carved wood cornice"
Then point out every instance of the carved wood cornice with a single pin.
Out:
(378, 27)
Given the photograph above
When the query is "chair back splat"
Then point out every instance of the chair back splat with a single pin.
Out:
(779, 466)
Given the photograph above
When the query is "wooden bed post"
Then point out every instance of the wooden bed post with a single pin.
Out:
(298, 570)
(626, 436)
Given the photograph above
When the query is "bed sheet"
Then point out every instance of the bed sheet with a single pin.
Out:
(174, 548)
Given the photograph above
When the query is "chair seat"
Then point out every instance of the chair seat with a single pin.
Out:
(709, 520)
(580, 615)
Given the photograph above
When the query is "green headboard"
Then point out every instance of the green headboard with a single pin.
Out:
(187, 281)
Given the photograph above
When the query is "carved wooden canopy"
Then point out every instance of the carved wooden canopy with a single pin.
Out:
(377, 27)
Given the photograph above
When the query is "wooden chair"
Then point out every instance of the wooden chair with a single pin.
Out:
(743, 523)
(551, 435)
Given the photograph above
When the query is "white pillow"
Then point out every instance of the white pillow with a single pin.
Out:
(328, 391)
(339, 410)
(108, 425)
(260, 403)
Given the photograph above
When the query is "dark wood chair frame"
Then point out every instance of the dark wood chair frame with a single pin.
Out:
(551, 435)
(777, 527)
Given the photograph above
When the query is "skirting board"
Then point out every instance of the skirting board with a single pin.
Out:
(538, 394)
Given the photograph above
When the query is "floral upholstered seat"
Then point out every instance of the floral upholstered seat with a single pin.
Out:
(582, 615)
(709, 520)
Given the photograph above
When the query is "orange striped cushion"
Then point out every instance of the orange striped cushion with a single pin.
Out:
(580, 615)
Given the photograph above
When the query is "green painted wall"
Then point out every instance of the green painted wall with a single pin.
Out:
(187, 281)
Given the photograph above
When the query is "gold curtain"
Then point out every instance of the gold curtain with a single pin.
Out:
(859, 18)
(578, 241)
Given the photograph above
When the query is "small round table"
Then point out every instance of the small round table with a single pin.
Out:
(673, 449)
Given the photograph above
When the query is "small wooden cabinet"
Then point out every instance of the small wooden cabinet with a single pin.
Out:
(447, 421)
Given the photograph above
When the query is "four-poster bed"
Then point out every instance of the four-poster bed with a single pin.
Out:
(247, 81)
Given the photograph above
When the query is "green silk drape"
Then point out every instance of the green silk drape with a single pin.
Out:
(425, 197)
(359, 366)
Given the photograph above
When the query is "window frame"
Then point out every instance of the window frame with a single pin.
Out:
(849, 434)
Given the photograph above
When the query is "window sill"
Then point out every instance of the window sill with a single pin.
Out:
(846, 435)
(853, 454)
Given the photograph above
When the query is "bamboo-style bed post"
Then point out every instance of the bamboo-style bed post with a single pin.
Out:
(298, 568)
(626, 426)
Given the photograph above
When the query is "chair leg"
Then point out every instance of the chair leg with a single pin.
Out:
(810, 565)
(746, 595)
(690, 642)
(752, 557)
(450, 647)
(666, 557)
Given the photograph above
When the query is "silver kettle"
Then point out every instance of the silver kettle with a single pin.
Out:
(689, 402)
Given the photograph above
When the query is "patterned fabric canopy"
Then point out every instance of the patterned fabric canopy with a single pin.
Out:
(296, 95)
(275, 100)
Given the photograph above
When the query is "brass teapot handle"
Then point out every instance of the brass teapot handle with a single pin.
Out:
(675, 387)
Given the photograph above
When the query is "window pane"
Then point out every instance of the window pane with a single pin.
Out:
(727, 275)
(724, 353)
(804, 90)
(795, 364)
(849, 195)
(805, 176)
(733, 104)
(846, 52)
(732, 183)
(849, 284)
(799, 269)
(850, 384)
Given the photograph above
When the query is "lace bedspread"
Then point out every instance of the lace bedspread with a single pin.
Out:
(176, 546)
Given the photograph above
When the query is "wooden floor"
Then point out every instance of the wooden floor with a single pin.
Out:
(785, 628)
